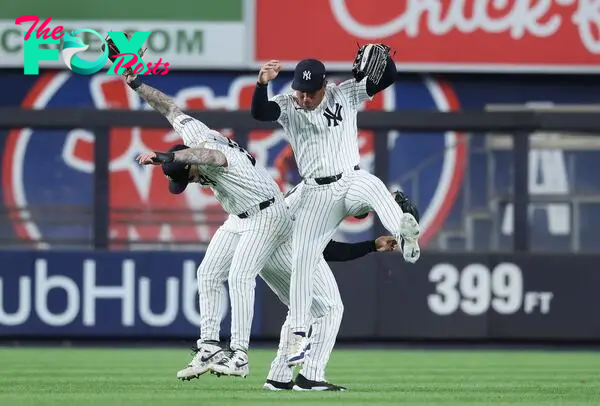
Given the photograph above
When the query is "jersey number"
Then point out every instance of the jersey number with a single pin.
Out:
(234, 144)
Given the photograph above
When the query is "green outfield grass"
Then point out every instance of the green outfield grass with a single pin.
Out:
(146, 377)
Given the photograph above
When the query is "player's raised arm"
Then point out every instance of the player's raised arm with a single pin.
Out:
(194, 156)
(343, 251)
(155, 98)
(262, 108)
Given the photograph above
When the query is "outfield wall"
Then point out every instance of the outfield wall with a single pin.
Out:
(141, 295)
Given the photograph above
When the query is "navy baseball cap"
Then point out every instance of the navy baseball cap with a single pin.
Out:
(309, 75)
(178, 173)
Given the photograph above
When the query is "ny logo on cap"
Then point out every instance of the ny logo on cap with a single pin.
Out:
(306, 75)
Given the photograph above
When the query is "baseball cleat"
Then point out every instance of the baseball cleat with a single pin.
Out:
(304, 384)
(278, 386)
(206, 355)
(298, 346)
(411, 251)
(236, 364)
(409, 227)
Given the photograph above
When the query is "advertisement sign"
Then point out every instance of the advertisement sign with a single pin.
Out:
(464, 297)
(104, 295)
(154, 295)
(448, 35)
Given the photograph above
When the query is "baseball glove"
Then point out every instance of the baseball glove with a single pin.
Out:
(370, 61)
(113, 50)
(406, 205)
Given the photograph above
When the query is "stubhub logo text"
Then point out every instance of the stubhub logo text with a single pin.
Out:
(102, 294)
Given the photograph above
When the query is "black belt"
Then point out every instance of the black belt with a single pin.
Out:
(330, 179)
(261, 206)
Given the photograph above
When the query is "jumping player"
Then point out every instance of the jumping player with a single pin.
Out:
(319, 120)
(324, 329)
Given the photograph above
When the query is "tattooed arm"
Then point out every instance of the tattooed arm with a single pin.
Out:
(200, 156)
(155, 98)
(195, 156)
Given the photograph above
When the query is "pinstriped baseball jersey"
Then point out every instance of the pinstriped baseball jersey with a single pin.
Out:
(324, 140)
(238, 186)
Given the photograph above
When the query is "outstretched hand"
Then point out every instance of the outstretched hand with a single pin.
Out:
(147, 158)
(129, 75)
(386, 243)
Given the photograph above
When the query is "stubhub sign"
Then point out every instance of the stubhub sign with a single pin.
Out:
(100, 294)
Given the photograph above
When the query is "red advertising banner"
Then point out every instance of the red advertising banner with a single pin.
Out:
(440, 35)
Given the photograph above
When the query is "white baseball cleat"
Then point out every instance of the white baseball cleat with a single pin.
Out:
(206, 355)
(411, 251)
(235, 364)
(298, 347)
(409, 227)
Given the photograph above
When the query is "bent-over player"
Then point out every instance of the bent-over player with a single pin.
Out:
(245, 191)
(319, 121)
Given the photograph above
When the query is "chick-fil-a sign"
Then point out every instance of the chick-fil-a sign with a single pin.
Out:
(128, 56)
(441, 35)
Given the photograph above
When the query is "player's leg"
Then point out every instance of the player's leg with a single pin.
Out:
(256, 245)
(211, 274)
(369, 190)
(281, 376)
(318, 215)
(328, 311)
(276, 274)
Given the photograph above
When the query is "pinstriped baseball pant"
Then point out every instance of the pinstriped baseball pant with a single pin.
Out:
(319, 211)
(237, 254)
(326, 314)
(326, 311)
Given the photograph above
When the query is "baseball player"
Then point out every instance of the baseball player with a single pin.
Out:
(246, 191)
(324, 330)
(319, 121)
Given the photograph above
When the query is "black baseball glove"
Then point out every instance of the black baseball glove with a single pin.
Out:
(113, 50)
(370, 61)
(406, 205)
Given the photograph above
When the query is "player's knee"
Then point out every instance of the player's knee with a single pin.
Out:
(207, 271)
(206, 279)
(337, 309)
(240, 280)
(202, 270)
(332, 309)
(306, 257)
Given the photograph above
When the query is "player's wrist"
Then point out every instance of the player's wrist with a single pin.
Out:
(373, 246)
(164, 157)
(261, 84)
(135, 83)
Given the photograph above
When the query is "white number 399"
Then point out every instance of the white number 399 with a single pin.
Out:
(475, 289)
